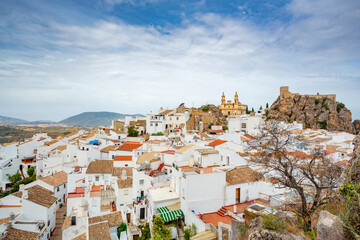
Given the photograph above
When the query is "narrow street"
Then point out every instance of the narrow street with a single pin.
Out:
(60, 216)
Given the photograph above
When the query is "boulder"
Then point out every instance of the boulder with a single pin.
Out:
(329, 227)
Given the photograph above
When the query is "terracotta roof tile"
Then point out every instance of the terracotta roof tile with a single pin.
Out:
(184, 149)
(117, 171)
(56, 180)
(100, 166)
(8, 144)
(123, 158)
(39, 195)
(113, 219)
(16, 234)
(125, 183)
(99, 231)
(242, 175)
(129, 146)
(109, 148)
(148, 157)
(216, 143)
(80, 237)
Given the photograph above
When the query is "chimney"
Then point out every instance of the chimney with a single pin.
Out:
(25, 194)
(123, 175)
(21, 187)
(12, 216)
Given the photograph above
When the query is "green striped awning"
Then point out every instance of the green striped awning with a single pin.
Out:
(168, 215)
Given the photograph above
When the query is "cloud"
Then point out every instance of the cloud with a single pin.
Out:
(111, 65)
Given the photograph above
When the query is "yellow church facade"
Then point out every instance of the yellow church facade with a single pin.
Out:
(232, 108)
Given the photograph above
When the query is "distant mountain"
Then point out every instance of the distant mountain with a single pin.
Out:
(10, 120)
(89, 119)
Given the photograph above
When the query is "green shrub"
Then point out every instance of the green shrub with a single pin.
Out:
(242, 229)
(290, 120)
(259, 111)
(157, 134)
(274, 223)
(339, 107)
(225, 128)
(30, 171)
(121, 228)
(323, 124)
(145, 232)
(324, 105)
(189, 232)
(132, 132)
(317, 101)
(205, 108)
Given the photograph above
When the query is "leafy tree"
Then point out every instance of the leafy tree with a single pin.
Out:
(317, 101)
(132, 132)
(274, 223)
(247, 110)
(30, 171)
(339, 107)
(252, 110)
(158, 134)
(267, 105)
(161, 231)
(145, 232)
(314, 177)
(121, 228)
(205, 108)
(14, 178)
(190, 231)
(260, 107)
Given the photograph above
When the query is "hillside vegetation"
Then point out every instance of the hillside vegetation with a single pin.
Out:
(94, 118)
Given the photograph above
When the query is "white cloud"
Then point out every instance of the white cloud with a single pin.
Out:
(119, 67)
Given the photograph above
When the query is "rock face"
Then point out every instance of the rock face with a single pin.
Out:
(354, 170)
(312, 111)
(258, 233)
(329, 227)
(220, 118)
(357, 126)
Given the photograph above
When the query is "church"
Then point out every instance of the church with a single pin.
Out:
(232, 108)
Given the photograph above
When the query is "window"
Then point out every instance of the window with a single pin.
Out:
(83, 181)
(177, 118)
(113, 156)
(49, 223)
(243, 125)
(97, 178)
(126, 192)
(156, 124)
(142, 182)
(227, 160)
(57, 189)
(64, 185)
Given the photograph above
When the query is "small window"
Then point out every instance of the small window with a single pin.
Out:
(126, 165)
(73, 220)
(83, 181)
(243, 125)
(64, 185)
(113, 156)
(49, 223)
(142, 182)
(57, 189)
(97, 178)
(156, 124)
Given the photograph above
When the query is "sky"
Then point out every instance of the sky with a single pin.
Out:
(60, 58)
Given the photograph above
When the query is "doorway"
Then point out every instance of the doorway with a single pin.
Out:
(238, 195)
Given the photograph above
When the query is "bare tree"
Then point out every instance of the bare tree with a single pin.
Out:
(313, 176)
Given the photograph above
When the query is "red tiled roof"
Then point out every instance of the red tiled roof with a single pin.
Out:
(328, 152)
(215, 131)
(249, 136)
(172, 152)
(298, 154)
(123, 158)
(342, 163)
(129, 146)
(216, 143)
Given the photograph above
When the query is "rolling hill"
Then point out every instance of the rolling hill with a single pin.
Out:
(94, 118)
(10, 120)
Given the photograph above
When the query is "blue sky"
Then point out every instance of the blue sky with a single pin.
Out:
(60, 58)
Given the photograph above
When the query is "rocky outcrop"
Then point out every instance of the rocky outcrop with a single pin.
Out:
(219, 117)
(354, 166)
(356, 124)
(256, 232)
(313, 112)
(329, 227)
